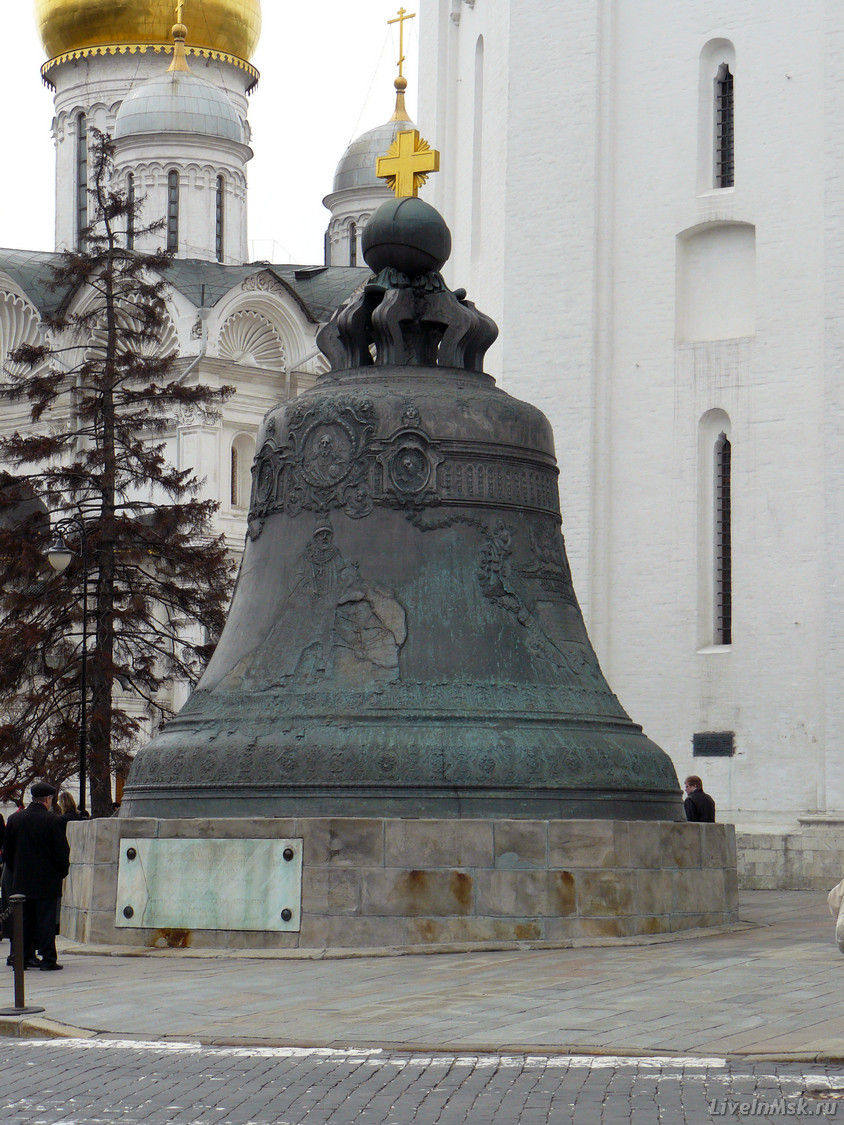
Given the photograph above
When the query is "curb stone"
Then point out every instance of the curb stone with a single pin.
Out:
(339, 953)
(39, 1027)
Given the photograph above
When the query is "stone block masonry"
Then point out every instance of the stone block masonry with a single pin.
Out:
(396, 883)
(810, 858)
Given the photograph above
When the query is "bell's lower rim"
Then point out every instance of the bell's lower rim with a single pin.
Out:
(399, 802)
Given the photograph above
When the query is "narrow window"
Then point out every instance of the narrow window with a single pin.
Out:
(478, 150)
(724, 131)
(220, 217)
(81, 177)
(723, 570)
(173, 212)
(234, 479)
(130, 217)
(353, 244)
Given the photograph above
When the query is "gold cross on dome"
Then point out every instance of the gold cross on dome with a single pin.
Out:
(408, 162)
(400, 20)
(179, 8)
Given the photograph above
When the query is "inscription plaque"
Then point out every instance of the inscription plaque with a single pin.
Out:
(714, 744)
(209, 884)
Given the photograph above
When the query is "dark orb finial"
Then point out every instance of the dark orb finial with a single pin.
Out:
(407, 316)
(408, 235)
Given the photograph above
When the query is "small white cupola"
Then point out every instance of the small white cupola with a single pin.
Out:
(357, 191)
(180, 144)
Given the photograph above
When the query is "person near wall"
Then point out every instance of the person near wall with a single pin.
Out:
(835, 899)
(699, 806)
(66, 811)
(38, 857)
(66, 808)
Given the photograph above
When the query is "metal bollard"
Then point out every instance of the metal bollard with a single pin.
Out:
(20, 1009)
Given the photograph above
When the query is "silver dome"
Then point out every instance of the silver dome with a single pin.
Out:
(357, 168)
(176, 102)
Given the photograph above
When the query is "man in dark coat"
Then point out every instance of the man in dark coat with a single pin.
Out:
(698, 805)
(38, 857)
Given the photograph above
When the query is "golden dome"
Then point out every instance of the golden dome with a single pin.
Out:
(227, 28)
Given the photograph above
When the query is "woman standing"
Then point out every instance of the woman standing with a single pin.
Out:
(66, 811)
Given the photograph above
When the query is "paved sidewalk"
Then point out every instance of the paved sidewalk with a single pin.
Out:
(770, 989)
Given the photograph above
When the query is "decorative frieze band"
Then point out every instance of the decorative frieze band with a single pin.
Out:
(332, 459)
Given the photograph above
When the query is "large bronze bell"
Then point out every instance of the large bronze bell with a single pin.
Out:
(404, 639)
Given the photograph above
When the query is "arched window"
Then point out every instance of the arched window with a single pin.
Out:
(173, 212)
(130, 217)
(723, 560)
(716, 116)
(81, 177)
(714, 532)
(242, 456)
(353, 244)
(724, 128)
(220, 218)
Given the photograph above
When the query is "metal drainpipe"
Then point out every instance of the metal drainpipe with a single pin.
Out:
(203, 314)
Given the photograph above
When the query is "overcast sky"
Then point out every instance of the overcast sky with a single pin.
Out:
(327, 70)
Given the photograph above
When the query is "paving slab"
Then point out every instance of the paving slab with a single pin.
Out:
(771, 987)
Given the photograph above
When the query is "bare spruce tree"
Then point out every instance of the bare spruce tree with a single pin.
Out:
(100, 400)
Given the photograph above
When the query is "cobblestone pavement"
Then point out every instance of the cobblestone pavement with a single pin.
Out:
(106, 1082)
(772, 989)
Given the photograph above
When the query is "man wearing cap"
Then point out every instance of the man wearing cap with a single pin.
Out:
(38, 856)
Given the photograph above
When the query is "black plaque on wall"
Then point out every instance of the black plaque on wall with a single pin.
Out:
(714, 744)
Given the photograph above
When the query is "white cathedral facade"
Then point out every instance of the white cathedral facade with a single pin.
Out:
(647, 196)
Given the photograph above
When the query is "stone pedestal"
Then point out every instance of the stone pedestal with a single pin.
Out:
(402, 883)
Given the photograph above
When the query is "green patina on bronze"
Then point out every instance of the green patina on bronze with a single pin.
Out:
(404, 639)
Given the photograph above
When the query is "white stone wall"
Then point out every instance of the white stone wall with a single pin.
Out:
(199, 162)
(639, 306)
(831, 670)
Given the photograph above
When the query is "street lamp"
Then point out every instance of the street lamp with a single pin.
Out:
(59, 555)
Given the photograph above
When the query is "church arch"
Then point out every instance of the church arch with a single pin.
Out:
(250, 338)
(166, 341)
(19, 324)
(98, 117)
(241, 456)
(264, 296)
